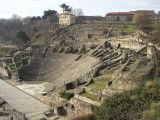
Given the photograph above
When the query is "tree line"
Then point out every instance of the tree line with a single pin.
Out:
(13, 30)
(149, 23)
(9, 28)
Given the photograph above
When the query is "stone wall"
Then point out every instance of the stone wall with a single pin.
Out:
(3, 73)
(85, 99)
(131, 43)
(126, 43)
(81, 107)
(81, 43)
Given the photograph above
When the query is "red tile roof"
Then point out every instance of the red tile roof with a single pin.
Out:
(120, 13)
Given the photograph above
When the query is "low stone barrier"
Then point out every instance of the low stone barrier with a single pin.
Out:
(85, 99)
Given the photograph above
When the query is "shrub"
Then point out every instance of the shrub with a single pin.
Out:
(129, 105)
(66, 95)
(85, 117)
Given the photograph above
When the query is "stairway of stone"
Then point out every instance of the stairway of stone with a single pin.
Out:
(46, 68)
(81, 70)
(110, 57)
(110, 66)
(141, 48)
(113, 89)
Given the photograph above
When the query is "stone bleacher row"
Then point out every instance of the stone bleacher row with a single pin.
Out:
(47, 69)
(110, 57)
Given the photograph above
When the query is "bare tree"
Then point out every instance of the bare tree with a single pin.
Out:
(143, 21)
(69, 9)
(78, 12)
(27, 20)
(9, 27)
(16, 17)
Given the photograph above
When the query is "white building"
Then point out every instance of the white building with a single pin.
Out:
(66, 19)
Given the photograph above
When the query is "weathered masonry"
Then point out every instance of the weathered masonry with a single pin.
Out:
(66, 19)
(120, 16)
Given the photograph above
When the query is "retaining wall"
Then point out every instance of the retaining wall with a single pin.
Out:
(85, 99)
(126, 43)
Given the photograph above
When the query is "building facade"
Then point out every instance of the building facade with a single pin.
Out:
(66, 19)
(157, 18)
(120, 16)
(149, 12)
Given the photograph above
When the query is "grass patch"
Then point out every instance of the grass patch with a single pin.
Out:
(98, 85)
(90, 96)
(10, 64)
(108, 75)
(111, 71)
(40, 42)
(130, 65)
(66, 95)
(13, 68)
(128, 28)
(153, 113)
(8, 61)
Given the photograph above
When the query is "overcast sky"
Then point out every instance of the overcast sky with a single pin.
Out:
(90, 7)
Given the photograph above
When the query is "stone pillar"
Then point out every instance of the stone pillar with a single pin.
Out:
(151, 50)
(3, 73)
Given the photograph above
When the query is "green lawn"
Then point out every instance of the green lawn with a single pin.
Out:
(66, 95)
(90, 96)
(98, 85)
(128, 28)
(108, 74)
(40, 42)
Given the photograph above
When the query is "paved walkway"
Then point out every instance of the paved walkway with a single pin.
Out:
(22, 101)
